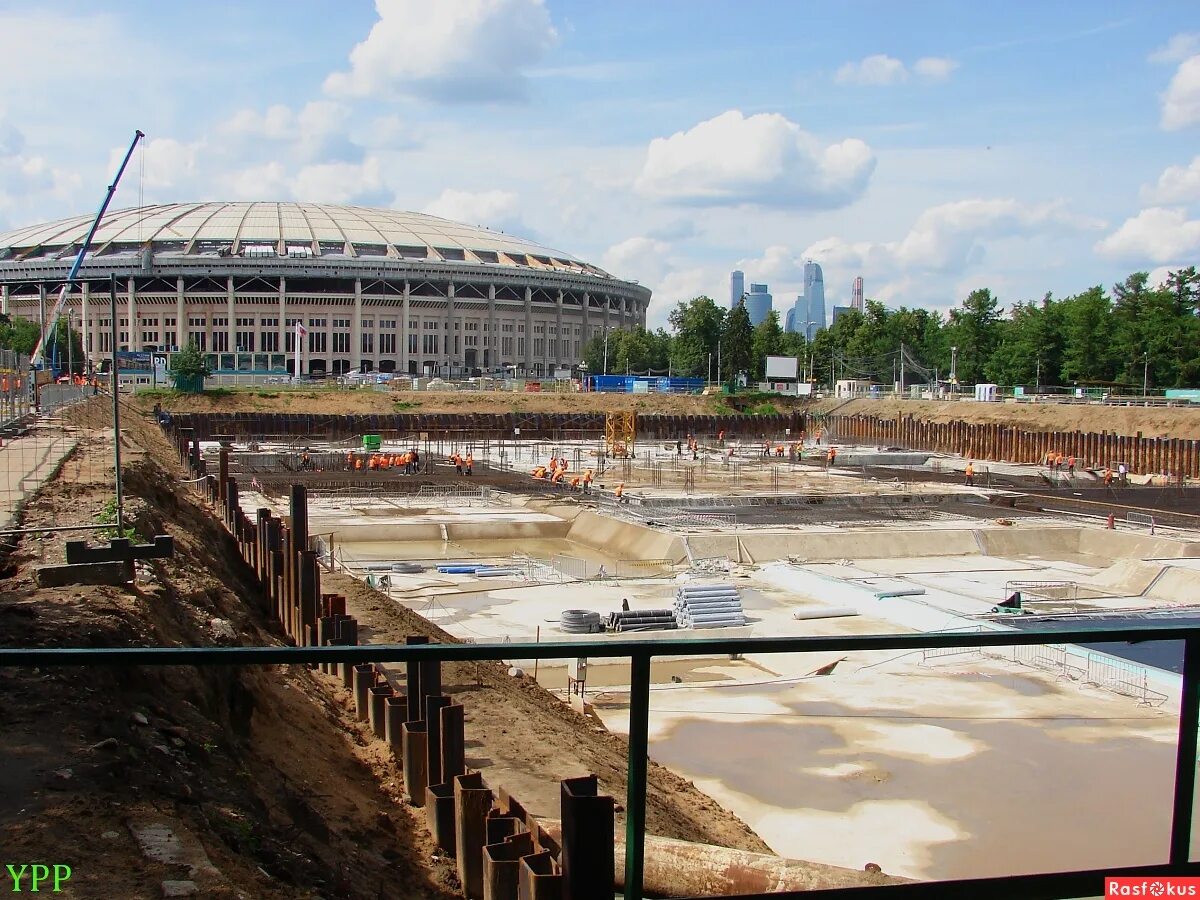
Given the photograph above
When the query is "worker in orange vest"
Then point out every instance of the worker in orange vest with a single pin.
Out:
(538, 472)
(1108, 476)
(470, 462)
(575, 482)
(619, 492)
(969, 473)
(358, 465)
(831, 458)
(385, 462)
(1071, 465)
(587, 481)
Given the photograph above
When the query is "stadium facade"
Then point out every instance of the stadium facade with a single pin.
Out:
(374, 289)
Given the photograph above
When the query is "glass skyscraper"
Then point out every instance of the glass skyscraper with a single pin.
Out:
(737, 287)
(814, 296)
(758, 303)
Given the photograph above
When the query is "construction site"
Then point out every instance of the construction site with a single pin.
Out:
(771, 771)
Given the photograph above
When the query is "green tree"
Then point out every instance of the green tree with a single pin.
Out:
(767, 341)
(972, 328)
(19, 334)
(188, 368)
(697, 328)
(737, 343)
(1086, 328)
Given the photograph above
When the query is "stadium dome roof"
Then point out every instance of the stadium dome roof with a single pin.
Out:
(275, 229)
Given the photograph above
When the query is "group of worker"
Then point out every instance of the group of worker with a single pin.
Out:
(463, 465)
(1056, 463)
(693, 447)
(555, 471)
(408, 463)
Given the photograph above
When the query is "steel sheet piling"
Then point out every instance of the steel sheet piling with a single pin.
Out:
(472, 800)
(413, 749)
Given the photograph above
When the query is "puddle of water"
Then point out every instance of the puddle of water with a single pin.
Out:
(1022, 787)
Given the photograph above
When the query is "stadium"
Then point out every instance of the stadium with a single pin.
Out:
(374, 289)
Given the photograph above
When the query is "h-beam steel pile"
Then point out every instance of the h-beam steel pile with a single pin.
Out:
(530, 426)
(1009, 443)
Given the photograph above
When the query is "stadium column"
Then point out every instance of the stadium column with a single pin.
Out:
(131, 334)
(403, 330)
(559, 353)
(491, 352)
(4, 299)
(180, 315)
(283, 329)
(231, 320)
(587, 326)
(455, 334)
(85, 328)
(624, 310)
(356, 327)
(607, 313)
(528, 330)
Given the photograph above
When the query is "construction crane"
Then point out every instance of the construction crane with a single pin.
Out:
(36, 361)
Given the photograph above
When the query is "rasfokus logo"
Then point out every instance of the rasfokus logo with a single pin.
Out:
(1152, 887)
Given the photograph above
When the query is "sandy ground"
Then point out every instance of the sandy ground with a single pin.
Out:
(1151, 421)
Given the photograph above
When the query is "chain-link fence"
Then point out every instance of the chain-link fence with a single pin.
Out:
(39, 433)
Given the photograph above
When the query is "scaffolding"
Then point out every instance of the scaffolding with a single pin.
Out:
(620, 431)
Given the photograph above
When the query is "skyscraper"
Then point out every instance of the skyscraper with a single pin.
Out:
(758, 302)
(856, 294)
(814, 295)
(737, 287)
(797, 315)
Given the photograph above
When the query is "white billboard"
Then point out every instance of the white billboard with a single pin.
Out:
(782, 367)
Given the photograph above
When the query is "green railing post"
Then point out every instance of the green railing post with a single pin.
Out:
(635, 795)
(1185, 758)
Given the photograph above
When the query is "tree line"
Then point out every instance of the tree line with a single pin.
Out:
(1122, 337)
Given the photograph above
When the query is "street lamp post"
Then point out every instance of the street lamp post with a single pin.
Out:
(606, 349)
(1146, 375)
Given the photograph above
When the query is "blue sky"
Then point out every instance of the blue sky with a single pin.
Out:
(931, 147)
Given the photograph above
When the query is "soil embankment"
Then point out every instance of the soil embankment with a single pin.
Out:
(1151, 421)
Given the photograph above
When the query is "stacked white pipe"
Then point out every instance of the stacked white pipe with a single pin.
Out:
(708, 606)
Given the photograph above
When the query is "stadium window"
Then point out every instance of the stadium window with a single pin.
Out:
(412, 343)
(368, 342)
(270, 342)
(245, 341)
(199, 338)
(387, 344)
(389, 324)
(317, 343)
(220, 342)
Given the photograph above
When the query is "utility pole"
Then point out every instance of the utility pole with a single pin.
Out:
(902, 370)
(832, 372)
(710, 367)
(1037, 388)
(606, 348)
(718, 360)
(114, 384)
(1146, 376)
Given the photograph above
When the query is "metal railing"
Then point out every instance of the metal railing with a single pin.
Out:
(1050, 885)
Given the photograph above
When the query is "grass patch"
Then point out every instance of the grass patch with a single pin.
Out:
(404, 405)
(108, 513)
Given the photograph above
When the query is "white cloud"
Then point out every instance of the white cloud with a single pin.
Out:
(1181, 102)
(27, 180)
(875, 70)
(880, 70)
(1177, 49)
(495, 209)
(935, 68)
(339, 182)
(642, 258)
(452, 50)
(1158, 276)
(762, 159)
(1159, 234)
(268, 181)
(1177, 184)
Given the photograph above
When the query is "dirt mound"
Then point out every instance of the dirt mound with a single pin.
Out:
(1151, 421)
(99, 760)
